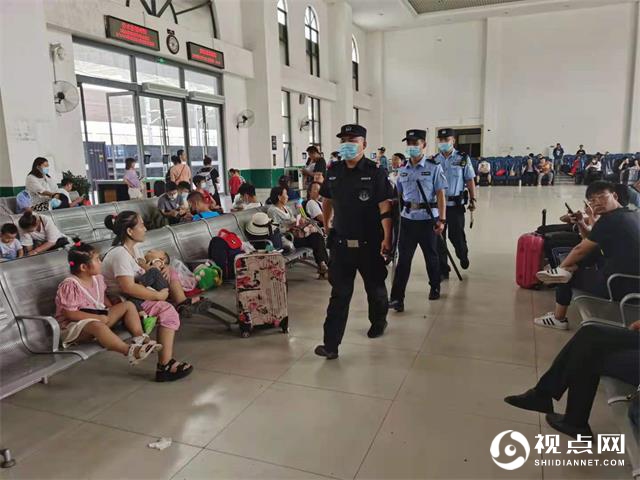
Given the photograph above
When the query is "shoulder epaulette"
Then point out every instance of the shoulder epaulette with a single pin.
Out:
(433, 160)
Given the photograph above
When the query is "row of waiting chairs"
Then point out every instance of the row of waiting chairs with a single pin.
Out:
(87, 223)
(620, 314)
(29, 334)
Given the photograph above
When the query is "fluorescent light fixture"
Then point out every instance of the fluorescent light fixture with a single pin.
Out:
(159, 89)
(206, 97)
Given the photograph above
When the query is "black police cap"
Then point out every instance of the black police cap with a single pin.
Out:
(352, 130)
(446, 132)
(415, 135)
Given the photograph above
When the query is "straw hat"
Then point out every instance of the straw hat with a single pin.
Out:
(260, 225)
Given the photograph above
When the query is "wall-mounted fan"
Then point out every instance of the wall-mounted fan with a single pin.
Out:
(65, 96)
(305, 124)
(245, 119)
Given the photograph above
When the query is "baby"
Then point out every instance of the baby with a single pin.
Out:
(157, 258)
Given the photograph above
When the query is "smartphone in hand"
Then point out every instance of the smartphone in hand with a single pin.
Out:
(568, 208)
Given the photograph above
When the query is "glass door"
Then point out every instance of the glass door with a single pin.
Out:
(197, 150)
(162, 125)
(122, 128)
(213, 141)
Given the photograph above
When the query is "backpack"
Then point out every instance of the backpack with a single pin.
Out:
(223, 255)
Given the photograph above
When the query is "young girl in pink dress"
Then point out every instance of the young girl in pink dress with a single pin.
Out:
(86, 314)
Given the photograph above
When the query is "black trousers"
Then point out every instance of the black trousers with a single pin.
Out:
(412, 234)
(315, 241)
(344, 264)
(529, 179)
(589, 280)
(455, 231)
(594, 351)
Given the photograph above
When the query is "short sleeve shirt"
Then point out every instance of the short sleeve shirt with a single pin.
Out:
(432, 179)
(458, 170)
(47, 232)
(72, 296)
(617, 233)
(9, 251)
(165, 204)
(355, 194)
(313, 208)
(118, 262)
(132, 177)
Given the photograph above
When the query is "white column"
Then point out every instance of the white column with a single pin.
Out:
(492, 77)
(375, 73)
(27, 128)
(260, 27)
(340, 20)
(633, 143)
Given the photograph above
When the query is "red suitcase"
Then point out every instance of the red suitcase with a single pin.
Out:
(529, 259)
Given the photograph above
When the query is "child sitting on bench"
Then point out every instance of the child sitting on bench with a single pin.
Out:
(85, 313)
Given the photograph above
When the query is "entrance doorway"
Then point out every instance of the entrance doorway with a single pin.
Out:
(469, 140)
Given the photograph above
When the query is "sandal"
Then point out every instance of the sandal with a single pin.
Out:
(142, 340)
(184, 308)
(164, 373)
(138, 352)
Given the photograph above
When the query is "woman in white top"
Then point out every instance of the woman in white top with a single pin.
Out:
(40, 185)
(285, 219)
(120, 267)
(39, 234)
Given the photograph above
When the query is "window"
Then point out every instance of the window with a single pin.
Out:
(101, 63)
(311, 36)
(283, 31)
(201, 82)
(356, 116)
(156, 72)
(286, 127)
(313, 111)
(355, 61)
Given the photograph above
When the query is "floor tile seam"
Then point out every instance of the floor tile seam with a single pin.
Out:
(388, 347)
(259, 460)
(230, 422)
(334, 390)
(422, 353)
(201, 449)
(295, 362)
(375, 436)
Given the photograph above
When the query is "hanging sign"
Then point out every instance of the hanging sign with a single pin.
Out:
(131, 33)
(201, 54)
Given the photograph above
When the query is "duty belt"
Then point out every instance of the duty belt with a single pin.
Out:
(419, 206)
(456, 198)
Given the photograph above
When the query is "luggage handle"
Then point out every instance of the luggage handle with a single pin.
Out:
(544, 217)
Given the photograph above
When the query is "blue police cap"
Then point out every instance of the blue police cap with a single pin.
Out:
(415, 135)
(446, 132)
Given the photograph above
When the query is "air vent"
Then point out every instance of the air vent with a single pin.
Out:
(431, 6)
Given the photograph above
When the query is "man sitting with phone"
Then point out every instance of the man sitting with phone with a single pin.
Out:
(617, 234)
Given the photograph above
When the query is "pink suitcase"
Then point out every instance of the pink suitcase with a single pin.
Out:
(261, 290)
(529, 259)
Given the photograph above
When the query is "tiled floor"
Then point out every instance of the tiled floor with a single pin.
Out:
(424, 401)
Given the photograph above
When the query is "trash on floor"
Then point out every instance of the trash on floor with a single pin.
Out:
(161, 444)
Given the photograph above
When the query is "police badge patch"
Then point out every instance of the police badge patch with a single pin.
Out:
(364, 195)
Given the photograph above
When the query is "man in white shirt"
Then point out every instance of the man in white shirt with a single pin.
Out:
(246, 198)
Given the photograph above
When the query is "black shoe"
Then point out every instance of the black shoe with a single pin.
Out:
(434, 294)
(377, 329)
(531, 400)
(464, 263)
(322, 351)
(557, 422)
(397, 305)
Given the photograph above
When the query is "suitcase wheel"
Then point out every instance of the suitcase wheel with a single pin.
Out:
(284, 325)
(245, 334)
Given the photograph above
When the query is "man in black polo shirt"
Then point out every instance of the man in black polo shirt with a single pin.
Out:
(357, 194)
(617, 234)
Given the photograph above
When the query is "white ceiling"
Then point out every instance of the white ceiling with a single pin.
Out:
(399, 14)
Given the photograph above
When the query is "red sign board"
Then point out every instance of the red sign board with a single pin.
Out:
(132, 33)
(201, 54)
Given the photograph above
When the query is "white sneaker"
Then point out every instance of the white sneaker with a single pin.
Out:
(549, 320)
(554, 275)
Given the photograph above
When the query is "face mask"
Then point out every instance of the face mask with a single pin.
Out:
(174, 196)
(45, 170)
(55, 202)
(183, 196)
(445, 147)
(203, 185)
(413, 151)
(349, 151)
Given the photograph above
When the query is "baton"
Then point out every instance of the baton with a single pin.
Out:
(471, 223)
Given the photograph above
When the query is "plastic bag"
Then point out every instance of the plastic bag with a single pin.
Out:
(187, 278)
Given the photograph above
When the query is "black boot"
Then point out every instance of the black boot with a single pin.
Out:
(434, 293)
(322, 351)
(558, 422)
(531, 400)
(377, 329)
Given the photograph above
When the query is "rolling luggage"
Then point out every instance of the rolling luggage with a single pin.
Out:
(261, 291)
(529, 259)
(529, 256)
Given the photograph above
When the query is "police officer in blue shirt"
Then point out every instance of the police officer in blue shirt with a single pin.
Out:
(460, 176)
(421, 222)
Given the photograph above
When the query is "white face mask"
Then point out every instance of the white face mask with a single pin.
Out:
(203, 185)
(173, 196)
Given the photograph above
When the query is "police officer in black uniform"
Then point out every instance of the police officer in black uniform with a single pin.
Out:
(358, 193)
